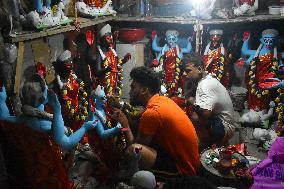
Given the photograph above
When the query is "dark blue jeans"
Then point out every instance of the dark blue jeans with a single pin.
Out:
(217, 130)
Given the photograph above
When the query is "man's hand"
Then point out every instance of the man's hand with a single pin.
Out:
(3, 94)
(119, 116)
(190, 101)
(113, 101)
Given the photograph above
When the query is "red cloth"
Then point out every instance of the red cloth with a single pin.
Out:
(262, 73)
(112, 60)
(169, 66)
(34, 161)
(214, 66)
(250, 2)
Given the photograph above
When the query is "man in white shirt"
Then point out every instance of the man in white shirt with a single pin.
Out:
(212, 105)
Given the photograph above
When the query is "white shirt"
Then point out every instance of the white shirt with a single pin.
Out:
(212, 95)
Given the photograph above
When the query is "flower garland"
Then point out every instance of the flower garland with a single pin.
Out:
(76, 109)
(279, 109)
(221, 64)
(254, 89)
(176, 79)
(109, 88)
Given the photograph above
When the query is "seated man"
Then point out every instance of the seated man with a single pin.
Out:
(212, 105)
(166, 136)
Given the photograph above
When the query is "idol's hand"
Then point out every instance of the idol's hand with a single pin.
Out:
(246, 36)
(3, 94)
(279, 83)
(53, 101)
(90, 124)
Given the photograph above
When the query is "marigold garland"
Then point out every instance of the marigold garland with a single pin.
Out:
(79, 111)
(254, 88)
(279, 109)
(221, 64)
(109, 88)
(176, 79)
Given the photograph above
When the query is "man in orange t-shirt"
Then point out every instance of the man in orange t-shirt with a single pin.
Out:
(166, 136)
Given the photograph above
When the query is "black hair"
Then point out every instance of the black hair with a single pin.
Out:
(194, 58)
(187, 182)
(146, 77)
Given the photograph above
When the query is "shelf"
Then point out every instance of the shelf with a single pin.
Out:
(169, 20)
(244, 19)
(181, 20)
(84, 22)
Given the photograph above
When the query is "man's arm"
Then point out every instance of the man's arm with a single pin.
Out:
(201, 116)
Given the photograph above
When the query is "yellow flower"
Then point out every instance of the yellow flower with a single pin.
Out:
(83, 117)
(82, 84)
(68, 102)
(85, 94)
(222, 67)
(77, 118)
(220, 76)
(275, 64)
(72, 111)
(222, 59)
(178, 70)
(108, 80)
(86, 103)
(64, 92)
(258, 95)
(277, 100)
(250, 73)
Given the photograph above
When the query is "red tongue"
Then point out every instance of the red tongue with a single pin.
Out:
(268, 46)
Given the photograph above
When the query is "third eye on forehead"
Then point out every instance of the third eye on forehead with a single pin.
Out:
(268, 39)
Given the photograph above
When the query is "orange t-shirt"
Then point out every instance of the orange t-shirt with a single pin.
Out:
(172, 131)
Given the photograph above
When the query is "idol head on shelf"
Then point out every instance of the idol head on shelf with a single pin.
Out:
(172, 38)
(106, 37)
(64, 65)
(216, 37)
(269, 38)
(245, 7)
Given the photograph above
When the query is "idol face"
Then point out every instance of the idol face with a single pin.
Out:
(269, 41)
(171, 40)
(216, 41)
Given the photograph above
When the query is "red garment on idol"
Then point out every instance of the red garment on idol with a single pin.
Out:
(112, 61)
(34, 161)
(250, 2)
(214, 66)
(262, 73)
(72, 87)
(108, 153)
(169, 66)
